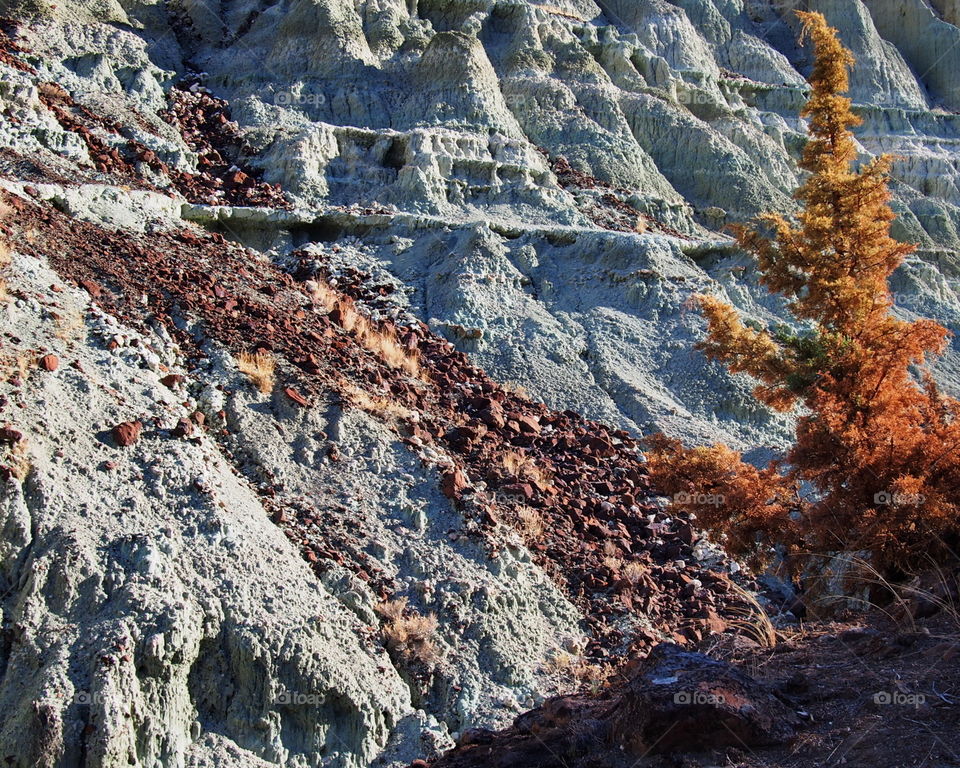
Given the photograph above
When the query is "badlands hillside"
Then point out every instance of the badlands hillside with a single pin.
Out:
(329, 331)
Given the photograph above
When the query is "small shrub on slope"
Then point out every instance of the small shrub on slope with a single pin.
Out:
(259, 367)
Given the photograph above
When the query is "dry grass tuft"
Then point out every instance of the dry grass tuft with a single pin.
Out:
(933, 591)
(571, 671)
(613, 564)
(531, 524)
(512, 388)
(16, 459)
(20, 460)
(5, 255)
(407, 633)
(382, 342)
(752, 620)
(259, 367)
(522, 466)
(322, 294)
(4, 265)
(69, 325)
(634, 572)
(392, 610)
(16, 364)
(378, 405)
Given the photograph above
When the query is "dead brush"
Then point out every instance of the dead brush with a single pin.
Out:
(634, 572)
(17, 364)
(4, 268)
(407, 633)
(5, 256)
(513, 388)
(381, 341)
(570, 670)
(259, 367)
(385, 345)
(531, 524)
(613, 564)
(16, 459)
(377, 405)
(322, 294)
(522, 466)
(68, 325)
(923, 594)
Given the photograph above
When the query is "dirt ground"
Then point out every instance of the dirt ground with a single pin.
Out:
(873, 691)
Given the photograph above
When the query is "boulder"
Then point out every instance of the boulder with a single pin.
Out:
(674, 701)
(126, 433)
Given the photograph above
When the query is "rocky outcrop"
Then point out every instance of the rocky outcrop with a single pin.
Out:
(676, 701)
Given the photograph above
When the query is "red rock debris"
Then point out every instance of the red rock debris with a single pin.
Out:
(611, 210)
(296, 396)
(204, 122)
(126, 433)
(10, 49)
(10, 436)
(585, 480)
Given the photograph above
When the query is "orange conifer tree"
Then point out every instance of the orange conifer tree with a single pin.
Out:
(878, 447)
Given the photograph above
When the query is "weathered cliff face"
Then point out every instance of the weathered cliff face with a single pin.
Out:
(544, 185)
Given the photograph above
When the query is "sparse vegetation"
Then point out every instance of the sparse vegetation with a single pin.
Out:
(16, 364)
(4, 257)
(570, 670)
(4, 266)
(383, 342)
(750, 619)
(15, 459)
(259, 367)
(531, 524)
(68, 325)
(382, 406)
(633, 572)
(522, 466)
(930, 590)
(513, 388)
(875, 445)
(407, 633)
(322, 295)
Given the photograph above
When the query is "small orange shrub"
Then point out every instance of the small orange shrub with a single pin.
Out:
(725, 493)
